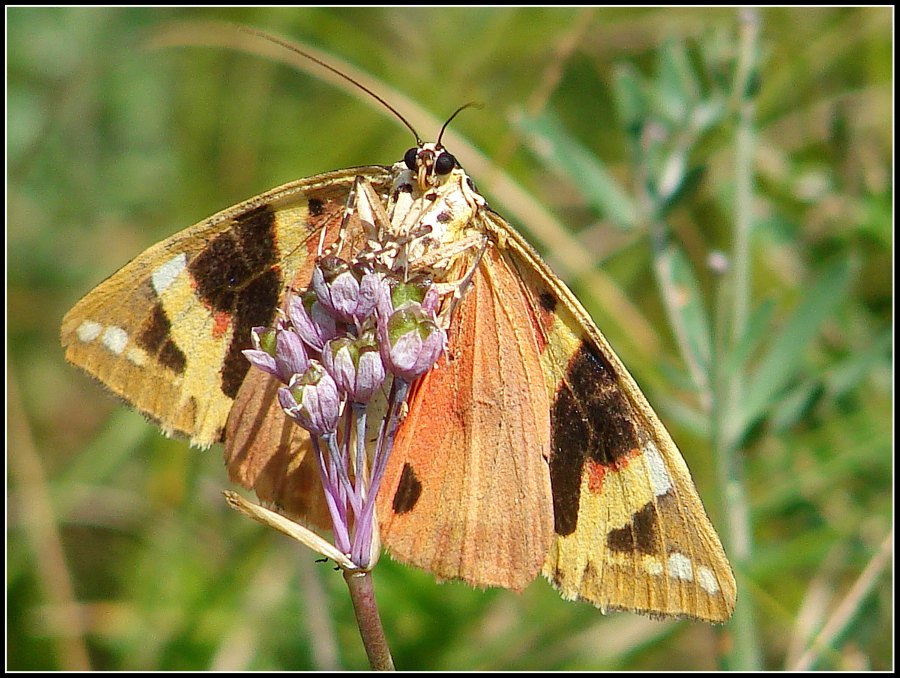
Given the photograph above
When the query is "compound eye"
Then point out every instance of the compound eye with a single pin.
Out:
(410, 158)
(444, 163)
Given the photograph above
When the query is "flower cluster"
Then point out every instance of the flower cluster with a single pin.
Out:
(353, 334)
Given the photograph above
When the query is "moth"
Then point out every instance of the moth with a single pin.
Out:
(529, 449)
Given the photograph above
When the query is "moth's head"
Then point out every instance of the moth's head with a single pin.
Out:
(430, 163)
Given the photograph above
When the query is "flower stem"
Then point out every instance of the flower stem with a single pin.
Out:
(747, 650)
(363, 542)
(337, 512)
(362, 593)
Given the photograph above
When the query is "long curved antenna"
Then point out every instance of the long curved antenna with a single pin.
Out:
(471, 104)
(278, 41)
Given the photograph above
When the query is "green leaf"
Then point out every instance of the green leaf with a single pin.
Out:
(847, 374)
(631, 98)
(551, 142)
(685, 186)
(784, 356)
(754, 331)
(678, 87)
(794, 404)
(685, 304)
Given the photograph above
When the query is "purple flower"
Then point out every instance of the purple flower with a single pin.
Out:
(312, 399)
(313, 323)
(347, 293)
(278, 351)
(355, 365)
(410, 341)
(394, 295)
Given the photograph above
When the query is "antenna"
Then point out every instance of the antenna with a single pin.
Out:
(471, 104)
(278, 41)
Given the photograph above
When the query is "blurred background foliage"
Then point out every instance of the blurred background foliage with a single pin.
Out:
(615, 140)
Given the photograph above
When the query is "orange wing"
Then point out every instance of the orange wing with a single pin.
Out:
(630, 530)
(268, 452)
(467, 490)
(264, 450)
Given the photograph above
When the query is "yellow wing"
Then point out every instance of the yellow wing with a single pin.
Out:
(165, 332)
(630, 530)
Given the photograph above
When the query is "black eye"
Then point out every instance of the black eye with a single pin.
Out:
(444, 163)
(410, 158)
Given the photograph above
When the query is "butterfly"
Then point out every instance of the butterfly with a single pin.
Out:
(529, 449)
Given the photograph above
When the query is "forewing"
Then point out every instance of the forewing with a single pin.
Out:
(467, 490)
(165, 332)
(630, 530)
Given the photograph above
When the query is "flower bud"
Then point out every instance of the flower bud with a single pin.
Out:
(410, 341)
(355, 365)
(394, 294)
(432, 299)
(290, 355)
(312, 322)
(262, 355)
(277, 351)
(312, 399)
(347, 293)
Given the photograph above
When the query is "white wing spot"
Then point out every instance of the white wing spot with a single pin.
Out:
(88, 330)
(654, 567)
(659, 476)
(707, 580)
(680, 567)
(166, 274)
(136, 356)
(115, 339)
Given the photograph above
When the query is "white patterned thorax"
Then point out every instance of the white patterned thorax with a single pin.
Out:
(437, 210)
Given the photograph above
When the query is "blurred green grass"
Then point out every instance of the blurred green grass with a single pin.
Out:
(121, 553)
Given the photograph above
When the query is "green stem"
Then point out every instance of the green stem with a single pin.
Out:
(745, 653)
